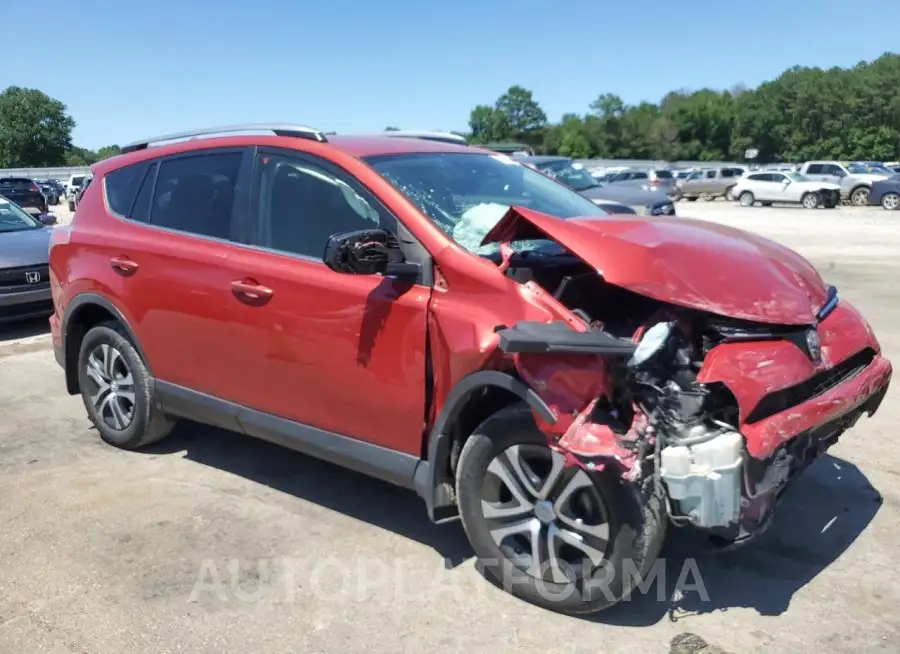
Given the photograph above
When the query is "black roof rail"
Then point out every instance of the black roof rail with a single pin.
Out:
(279, 129)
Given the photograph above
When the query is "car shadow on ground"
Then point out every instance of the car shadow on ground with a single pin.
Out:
(353, 494)
(817, 521)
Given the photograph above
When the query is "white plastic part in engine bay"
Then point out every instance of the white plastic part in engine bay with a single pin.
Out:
(705, 479)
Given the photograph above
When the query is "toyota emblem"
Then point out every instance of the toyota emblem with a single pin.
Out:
(32, 277)
(814, 345)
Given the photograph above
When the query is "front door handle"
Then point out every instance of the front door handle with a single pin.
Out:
(123, 265)
(250, 290)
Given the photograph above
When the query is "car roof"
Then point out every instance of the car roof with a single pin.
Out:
(359, 146)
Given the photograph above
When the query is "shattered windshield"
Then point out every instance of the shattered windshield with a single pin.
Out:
(465, 194)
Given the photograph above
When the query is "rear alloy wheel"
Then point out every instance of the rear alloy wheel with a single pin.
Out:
(860, 197)
(891, 201)
(810, 200)
(746, 199)
(117, 389)
(549, 531)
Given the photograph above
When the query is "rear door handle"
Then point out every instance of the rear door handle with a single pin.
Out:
(250, 290)
(123, 265)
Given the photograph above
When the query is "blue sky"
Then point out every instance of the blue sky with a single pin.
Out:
(128, 70)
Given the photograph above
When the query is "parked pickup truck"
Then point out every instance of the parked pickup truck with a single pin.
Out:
(854, 179)
(711, 183)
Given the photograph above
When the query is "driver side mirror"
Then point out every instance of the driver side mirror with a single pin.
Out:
(47, 219)
(368, 252)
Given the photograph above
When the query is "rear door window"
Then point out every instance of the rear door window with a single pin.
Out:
(195, 193)
(122, 187)
(814, 169)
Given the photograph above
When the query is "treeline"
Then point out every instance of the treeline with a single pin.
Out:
(806, 113)
(36, 132)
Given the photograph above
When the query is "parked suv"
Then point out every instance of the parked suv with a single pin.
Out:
(449, 320)
(787, 188)
(656, 179)
(855, 179)
(711, 183)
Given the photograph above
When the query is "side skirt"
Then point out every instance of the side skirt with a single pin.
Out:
(397, 468)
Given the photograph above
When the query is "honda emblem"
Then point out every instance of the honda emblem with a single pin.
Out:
(32, 277)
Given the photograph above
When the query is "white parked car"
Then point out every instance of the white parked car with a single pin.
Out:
(768, 187)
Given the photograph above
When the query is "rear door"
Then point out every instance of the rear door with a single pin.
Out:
(344, 353)
(173, 259)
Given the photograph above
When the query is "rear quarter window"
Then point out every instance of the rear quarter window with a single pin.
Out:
(122, 187)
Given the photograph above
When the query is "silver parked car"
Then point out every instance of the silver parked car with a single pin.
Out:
(615, 198)
(651, 179)
(855, 179)
(24, 268)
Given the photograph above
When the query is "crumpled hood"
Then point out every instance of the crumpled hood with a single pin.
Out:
(26, 247)
(691, 263)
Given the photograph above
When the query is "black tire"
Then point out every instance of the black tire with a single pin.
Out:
(747, 199)
(147, 423)
(890, 201)
(859, 197)
(636, 529)
(810, 201)
(691, 198)
(71, 206)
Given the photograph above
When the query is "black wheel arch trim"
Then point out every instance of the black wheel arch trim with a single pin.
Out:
(72, 310)
(428, 484)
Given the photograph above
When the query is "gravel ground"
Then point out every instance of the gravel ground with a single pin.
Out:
(108, 551)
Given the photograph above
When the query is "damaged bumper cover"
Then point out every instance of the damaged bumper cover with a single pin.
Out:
(782, 393)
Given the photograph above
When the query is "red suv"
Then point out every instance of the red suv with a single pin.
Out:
(567, 382)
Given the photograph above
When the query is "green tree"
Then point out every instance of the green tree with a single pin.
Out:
(523, 114)
(804, 113)
(35, 129)
(488, 125)
(108, 151)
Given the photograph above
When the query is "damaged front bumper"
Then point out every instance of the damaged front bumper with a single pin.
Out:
(782, 392)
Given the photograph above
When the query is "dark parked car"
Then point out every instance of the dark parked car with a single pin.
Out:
(51, 192)
(886, 193)
(612, 197)
(568, 383)
(24, 273)
(24, 192)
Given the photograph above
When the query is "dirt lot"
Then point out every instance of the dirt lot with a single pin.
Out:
(107, 551)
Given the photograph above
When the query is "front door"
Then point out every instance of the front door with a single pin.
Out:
(344, 353)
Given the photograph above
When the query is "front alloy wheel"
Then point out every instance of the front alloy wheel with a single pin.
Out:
(891, 201)
(547, 519)
(860, 197)
(551, 532)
